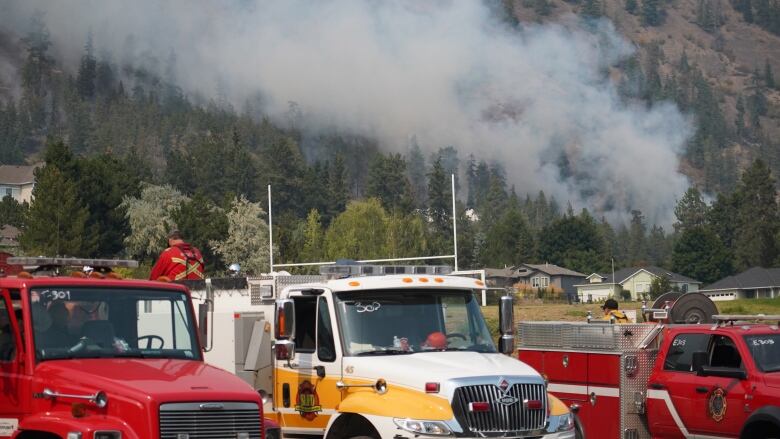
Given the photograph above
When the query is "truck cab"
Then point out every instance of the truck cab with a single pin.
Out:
(721, 380)
(386, 357)
(106, 358)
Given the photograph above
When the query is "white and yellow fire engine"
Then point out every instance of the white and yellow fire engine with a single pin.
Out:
(390, 356)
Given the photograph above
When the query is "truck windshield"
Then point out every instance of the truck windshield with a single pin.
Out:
(391, 322)
(765, 350)
(75, 322)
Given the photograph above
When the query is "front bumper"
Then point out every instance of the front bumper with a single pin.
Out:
(389, 430)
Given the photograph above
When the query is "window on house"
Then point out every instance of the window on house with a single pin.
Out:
(535, 282)
(9, 192)
(545, 281)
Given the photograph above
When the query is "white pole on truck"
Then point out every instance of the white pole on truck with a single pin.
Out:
(454, 223)
(270, 233)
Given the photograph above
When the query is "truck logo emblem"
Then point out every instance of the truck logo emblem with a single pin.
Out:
(717, 404)
(507, 400)
(212, 406)
(307, 402)
(503, 385)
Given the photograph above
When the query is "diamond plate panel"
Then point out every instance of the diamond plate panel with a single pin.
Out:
(581, 335)
(633, 391)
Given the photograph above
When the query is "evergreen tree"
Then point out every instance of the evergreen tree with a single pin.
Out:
(57, 221)
(439, 201)
(36, 72)
(631, 6)
(574, 242)
(637, 247)
(387, 181)
(338, 189)
(652, 13)
(691, 211)
(509, 241)
(739, 122)
(417, 177)
(591, 9)
(757, 218)
(769, 77)
(85, 81)
(314, 236)
(700, 254)
(284, 170)
(658, 248)
(12, 212)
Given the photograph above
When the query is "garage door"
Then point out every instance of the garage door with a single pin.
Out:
(596, 294)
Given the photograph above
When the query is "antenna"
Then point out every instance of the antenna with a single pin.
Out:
(454, 223)
(270, 233)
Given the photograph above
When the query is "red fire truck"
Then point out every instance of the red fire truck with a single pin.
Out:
(91, 356)
(718, 378)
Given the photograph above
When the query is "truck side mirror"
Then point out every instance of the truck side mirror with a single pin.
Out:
(203, 325)
(506, 318)
(285, 319)
(698, 360)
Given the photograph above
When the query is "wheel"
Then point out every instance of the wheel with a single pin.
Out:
(149, 339)
(663, 298)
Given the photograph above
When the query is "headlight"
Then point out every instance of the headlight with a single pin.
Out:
(563, 422)
(108, 435)
(433, 428)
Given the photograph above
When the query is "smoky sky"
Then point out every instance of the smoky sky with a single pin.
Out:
(538, 99)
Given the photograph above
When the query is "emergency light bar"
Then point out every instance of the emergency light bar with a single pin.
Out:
(724, 318)
(70, 262)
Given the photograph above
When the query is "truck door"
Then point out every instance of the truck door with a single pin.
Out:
(672, 387)
(12, 379)
(720, 401)
(306, 394)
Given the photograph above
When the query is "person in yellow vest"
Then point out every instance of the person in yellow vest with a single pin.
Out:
(611, 311)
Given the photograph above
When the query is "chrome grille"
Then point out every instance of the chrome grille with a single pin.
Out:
(501, 418)
(202, 420)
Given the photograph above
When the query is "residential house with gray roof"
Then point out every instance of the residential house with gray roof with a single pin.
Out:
(535, 276)
(753, 283)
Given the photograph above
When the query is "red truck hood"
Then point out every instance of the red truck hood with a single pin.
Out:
(160, 380)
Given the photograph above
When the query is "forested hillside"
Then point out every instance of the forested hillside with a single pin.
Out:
(128, 153)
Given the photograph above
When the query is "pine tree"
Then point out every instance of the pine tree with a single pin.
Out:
(637, 246)
(57, 221)
(202, 222)
(691, 211)
(85, 81)
(439, 194)
(631, 6)
(757, 218)
(338, 189)
(651, 13)
(387, 181)
(769, 77)
(739, 122)
(417, 173)
(701, 255)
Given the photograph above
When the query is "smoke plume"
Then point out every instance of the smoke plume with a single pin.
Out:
(536, 99)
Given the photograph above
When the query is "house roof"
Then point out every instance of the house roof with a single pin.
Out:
(625, 273)
(553, 270)
(10, 174)
(9, 236)
(755, 277)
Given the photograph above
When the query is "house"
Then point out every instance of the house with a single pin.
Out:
(754, 283)
(535, 276)
(9, 236)
(17, 182)
(636, 280)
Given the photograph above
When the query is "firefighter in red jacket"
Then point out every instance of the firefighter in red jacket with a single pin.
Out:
(179, 261)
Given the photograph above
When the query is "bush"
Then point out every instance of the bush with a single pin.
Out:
(625, 295)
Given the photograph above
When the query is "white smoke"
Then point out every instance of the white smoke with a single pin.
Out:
(444, 71)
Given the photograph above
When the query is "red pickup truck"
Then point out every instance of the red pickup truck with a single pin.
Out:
(104, 358)
(653, 380)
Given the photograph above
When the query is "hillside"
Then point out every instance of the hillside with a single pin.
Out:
(715, 38)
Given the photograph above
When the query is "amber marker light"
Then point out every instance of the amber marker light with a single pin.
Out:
(354, 283)
(480, 283)
(438, 280)
(408, 280)
(423, 279)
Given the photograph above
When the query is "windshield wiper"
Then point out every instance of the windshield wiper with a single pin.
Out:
(384, 352)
